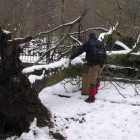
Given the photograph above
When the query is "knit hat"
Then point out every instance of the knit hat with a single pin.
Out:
(92, 33)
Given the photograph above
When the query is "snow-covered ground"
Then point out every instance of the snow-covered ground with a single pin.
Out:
(111, 117)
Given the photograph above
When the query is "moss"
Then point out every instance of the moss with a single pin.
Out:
(127, 40)
(136, 49)
(124, 59)
(58, 76)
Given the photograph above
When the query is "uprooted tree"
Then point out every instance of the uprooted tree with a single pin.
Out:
(19, 103)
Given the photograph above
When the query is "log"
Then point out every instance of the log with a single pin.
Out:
(118, 74)
(58, 76)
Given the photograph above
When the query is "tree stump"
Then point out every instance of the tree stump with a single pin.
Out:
(19, 103)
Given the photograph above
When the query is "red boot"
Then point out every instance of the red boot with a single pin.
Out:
(97, 85)
(92, 92)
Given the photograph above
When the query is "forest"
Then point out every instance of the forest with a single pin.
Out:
(29, 17)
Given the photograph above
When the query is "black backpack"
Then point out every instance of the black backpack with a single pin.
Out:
(97, 51)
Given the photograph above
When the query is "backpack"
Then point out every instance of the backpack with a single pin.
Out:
(97, 51)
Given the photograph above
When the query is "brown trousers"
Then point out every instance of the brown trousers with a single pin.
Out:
(94, 73)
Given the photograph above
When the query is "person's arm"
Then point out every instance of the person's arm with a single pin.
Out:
(80, 50)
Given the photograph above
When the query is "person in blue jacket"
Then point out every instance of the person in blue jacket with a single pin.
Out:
(95, 68)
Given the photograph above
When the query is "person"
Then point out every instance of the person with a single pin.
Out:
(95, 67)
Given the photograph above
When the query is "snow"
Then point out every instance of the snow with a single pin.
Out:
(80, 43)
(102, 35)
(122, 52)
(137, 41)
(138, 53)
(118, 52)
(121, 67)
(62, 63)
(33, 78)
(110, 117)
(5, 31)
(122, 45)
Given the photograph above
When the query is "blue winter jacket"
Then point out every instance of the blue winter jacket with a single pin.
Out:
(86, 48)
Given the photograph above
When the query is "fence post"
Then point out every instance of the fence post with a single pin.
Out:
(85, 80)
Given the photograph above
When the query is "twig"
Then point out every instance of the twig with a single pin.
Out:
(119, 85)
(117, 89)
(5, 90)
(16, 96)
(64, 25)
(50, 49)
(105, 18)
(96, 28)
(63, 54)
(120, 7)
(135, 88)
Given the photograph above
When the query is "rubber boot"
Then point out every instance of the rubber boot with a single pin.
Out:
(97, 85)
(92, 92)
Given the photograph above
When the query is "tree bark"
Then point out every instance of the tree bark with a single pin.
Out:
(118, 74)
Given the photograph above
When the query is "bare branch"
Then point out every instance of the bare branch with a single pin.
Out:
(105, 18)
(117, 89)
(18, 41)
(64, 25)
(71, 26)
(51, 49)
(76, 40)
(120, 7)
(96, 28)
(63, 54)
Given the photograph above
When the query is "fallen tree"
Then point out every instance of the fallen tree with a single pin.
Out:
(42, 76)
(120, 62)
